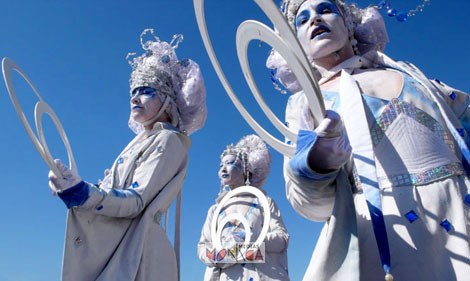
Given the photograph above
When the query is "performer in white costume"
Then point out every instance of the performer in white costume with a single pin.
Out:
(391, 147)
(246, 163)
(113, 228)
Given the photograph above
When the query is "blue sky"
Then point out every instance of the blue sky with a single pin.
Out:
(74, 51)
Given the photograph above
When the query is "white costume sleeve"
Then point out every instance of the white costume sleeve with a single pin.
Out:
(205, 240)
(158, 165)
(277, 237)
(313, 199)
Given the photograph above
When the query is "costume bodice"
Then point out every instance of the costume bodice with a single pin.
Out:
(411, 144)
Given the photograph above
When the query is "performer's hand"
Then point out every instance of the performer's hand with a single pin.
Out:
(332, 148)
(323, 150)
(69, 178)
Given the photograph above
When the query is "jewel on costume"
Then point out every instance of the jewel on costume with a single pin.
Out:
(446, 225)
(135, 184)
(452, 95)
(467, 199)
(184, 62)
(401, 15)
(411, 216)
(166, 59)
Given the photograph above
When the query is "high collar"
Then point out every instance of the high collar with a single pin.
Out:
(348, 65)
(158, 126)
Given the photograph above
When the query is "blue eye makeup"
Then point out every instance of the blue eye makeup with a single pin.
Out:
(327, 8)
(302, 18)
(146, 91)
(321, 9)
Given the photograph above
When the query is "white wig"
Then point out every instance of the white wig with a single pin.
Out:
(254, 156)
(180, 80)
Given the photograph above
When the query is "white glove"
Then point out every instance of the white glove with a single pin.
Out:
(332, 148)
(69, 178)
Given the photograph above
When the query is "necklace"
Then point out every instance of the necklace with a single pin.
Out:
(401, 15)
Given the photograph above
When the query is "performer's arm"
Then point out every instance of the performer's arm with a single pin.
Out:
(155, 172)
(277, 237)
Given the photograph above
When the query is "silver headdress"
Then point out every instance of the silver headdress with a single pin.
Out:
(366, 30)
(254, 156)
(179, 80)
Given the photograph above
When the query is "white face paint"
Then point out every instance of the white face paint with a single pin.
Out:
(320, 28)
(145, 104)
(231, 171)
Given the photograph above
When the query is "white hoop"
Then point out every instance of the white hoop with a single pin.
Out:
(216, 230)
(288, 45)
(41, 107)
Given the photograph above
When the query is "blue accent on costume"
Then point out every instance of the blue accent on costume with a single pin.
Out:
(184, 62)
(165, 58)
(453, 96)
(135, 184)
(402, 16)
(446, 225)
(299, 163)
(467, 199)
(411, 216)
(99, 207)
(380, 231)
(76, 195)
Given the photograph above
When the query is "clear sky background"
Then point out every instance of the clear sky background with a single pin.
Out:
(74, 52)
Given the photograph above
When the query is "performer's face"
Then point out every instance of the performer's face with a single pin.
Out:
(145, 104)
(320, 28)
(231, 171)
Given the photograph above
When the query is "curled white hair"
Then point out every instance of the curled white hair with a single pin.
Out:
(179, 80)
(254, 156)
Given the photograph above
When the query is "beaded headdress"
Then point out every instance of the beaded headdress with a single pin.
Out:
(254, 156)
(366, 29)
(179, 80)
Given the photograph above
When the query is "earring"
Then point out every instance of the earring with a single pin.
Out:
(354, 45)
(247, 181)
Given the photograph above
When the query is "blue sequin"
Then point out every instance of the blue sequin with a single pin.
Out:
(453, 95)
(461, 131)
(446, 225)
(438, 81)
(184, 62)
(165, 59)
(391, 12)
(467, 199)
(289, 142)
(382, 4)
(411, 216)
(120, 160)
(287, 124)
(402, 16)
(135, 184)
(99, 207)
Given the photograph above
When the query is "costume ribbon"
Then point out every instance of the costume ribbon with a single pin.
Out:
(354, 118)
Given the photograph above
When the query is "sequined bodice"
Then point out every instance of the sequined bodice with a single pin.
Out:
(410, 144)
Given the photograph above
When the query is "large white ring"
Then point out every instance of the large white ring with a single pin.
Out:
(288, 45)
(41, 107)
(216, 230)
